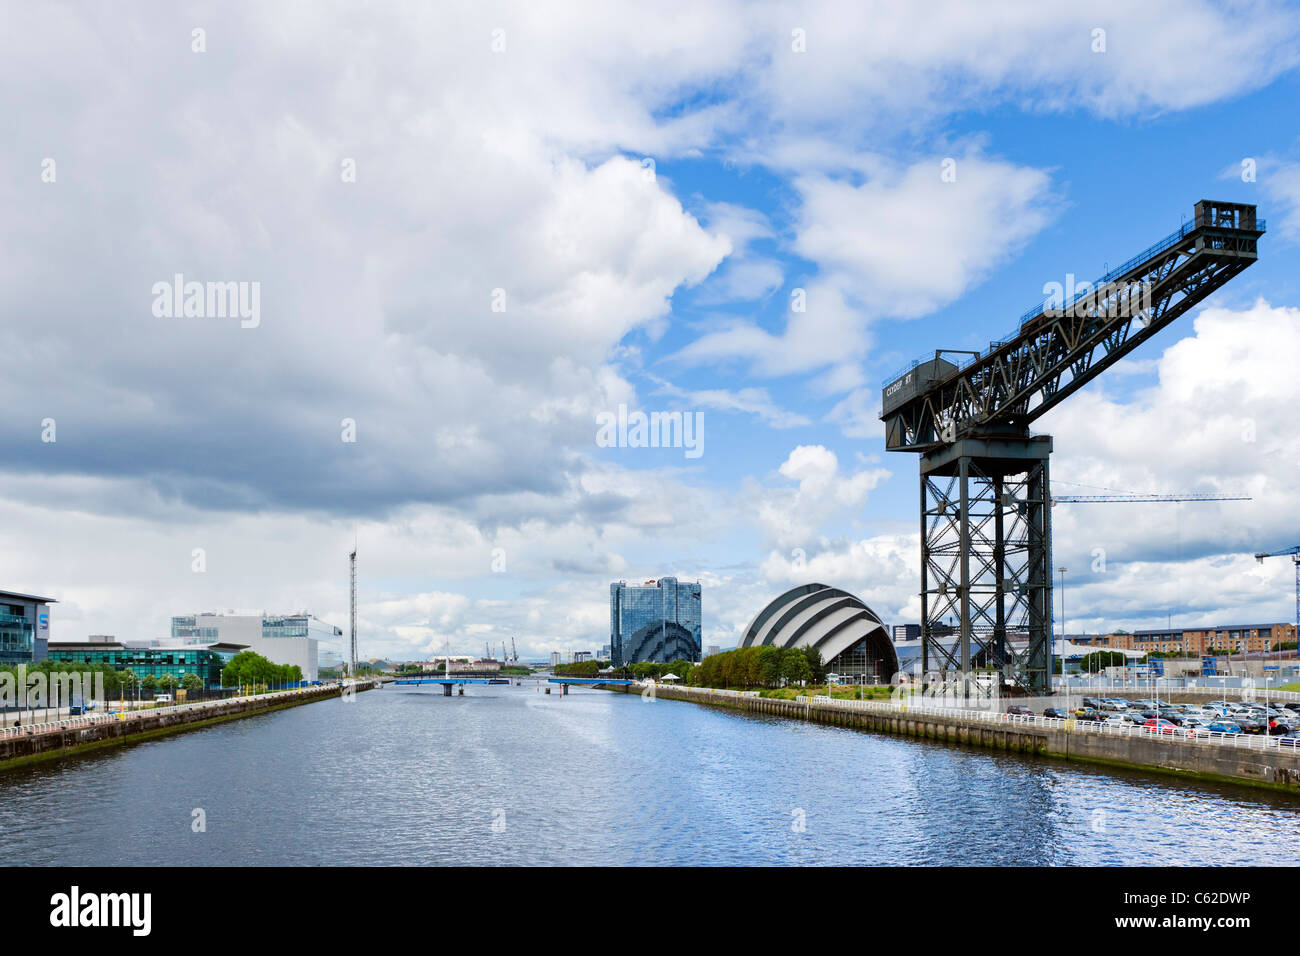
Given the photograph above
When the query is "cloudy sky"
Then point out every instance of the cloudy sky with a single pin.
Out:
(474, 228)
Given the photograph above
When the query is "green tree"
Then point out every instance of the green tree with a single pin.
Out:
(795, 667)
(1100, 660)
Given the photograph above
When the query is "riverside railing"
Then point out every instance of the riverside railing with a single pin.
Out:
(1145, 687)
(91, 720)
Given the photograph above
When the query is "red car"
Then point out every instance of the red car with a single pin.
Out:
(1160, 725)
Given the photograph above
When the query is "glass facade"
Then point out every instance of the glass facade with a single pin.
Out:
(147, 661)
(186, 631)
(15, 636)
(658, 621)
(296, 626)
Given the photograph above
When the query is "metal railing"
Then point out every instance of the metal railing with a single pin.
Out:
(91, 720)
(1258, 693)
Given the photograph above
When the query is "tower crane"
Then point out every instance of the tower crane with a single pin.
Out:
(985, 499)
(1077, 499)
(1295, 556)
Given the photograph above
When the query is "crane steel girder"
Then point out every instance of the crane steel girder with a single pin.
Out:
(1059, 349)
(986, 558)
(986, 541)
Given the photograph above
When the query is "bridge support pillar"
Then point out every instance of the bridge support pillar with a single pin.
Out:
(460, 690)
(548, 690)
(446, 690)
(564, 690)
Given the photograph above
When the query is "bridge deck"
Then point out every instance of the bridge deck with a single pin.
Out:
(453, 680)
(589, 680)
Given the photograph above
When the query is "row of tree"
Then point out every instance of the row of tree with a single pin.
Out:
(765, 666)
(247, 669)
(743, 667)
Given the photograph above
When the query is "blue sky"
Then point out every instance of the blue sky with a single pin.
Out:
(793, 147)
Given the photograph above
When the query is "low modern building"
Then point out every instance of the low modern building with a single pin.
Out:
(656, 621)
(852, 640)
(176, 661)
(24, 627)
(1229, 638)
(280, 638)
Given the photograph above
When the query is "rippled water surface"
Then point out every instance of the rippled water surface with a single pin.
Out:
(509, 775)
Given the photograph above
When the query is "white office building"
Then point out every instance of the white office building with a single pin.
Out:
(280, 638)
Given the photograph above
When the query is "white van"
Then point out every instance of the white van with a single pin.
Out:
(162, 698)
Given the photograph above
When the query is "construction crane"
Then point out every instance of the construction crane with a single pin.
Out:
(985, 499)
(514, 652)
(1295, 556)
(1077, 499)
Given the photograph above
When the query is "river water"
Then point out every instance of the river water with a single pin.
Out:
(508, 775)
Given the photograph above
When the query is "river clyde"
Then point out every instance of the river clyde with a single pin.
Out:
(508, 775)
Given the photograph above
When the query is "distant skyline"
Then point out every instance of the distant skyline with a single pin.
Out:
(444, 258)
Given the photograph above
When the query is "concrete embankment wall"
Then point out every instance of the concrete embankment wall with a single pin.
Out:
(1273, 769)
(19, 749)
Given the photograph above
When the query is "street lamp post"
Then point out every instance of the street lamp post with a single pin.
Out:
(1062, 571)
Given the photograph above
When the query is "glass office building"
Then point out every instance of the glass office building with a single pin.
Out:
(206, 662)
(656, 621)
(24, 627)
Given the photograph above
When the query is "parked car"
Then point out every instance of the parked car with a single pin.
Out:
(1092, 703)
(1224, 727)
(1020, 710)
(1279, 728)
(1134, 717)
(1055, 712)
(1160, 726)
(1250, 725)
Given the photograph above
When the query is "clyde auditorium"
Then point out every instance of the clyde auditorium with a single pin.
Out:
(853, 641)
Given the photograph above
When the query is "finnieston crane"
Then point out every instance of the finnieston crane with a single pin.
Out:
(985, 502)
(1295, 556)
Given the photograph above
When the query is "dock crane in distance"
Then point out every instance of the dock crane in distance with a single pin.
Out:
(1295, 556)
(985, 493)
